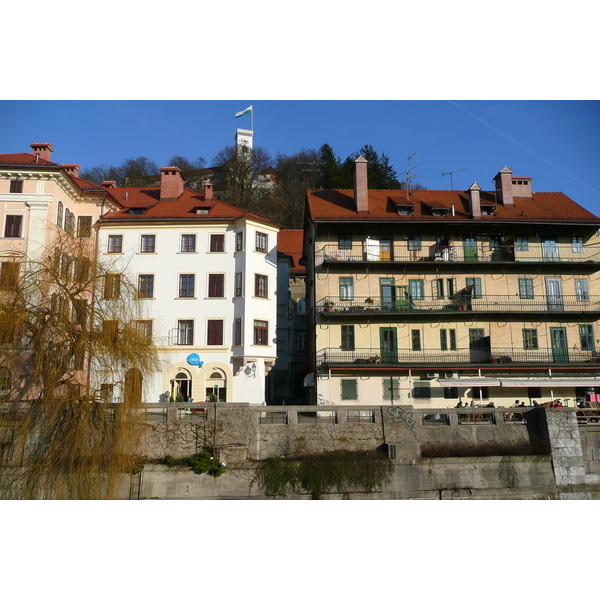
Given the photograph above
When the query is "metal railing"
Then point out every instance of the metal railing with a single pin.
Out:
(480, 251)
(361, 357)
(458, 302)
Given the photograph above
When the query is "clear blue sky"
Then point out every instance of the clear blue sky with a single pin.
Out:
(557, 143)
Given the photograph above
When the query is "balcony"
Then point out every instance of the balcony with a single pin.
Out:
(380, 357)
(369, 251)
(367, 306)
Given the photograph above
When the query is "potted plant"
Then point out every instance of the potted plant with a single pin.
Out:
(369, 302)
(328, 305)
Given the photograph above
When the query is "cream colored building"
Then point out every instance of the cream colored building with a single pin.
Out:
(431, 297)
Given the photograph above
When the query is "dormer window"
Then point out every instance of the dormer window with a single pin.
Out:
(202, 211)
(406, 211)
(137, 211)
(488, 210)
(439, 212)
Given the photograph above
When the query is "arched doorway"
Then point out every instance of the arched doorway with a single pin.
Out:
(133, 386)
(182, 386)
(216, 386)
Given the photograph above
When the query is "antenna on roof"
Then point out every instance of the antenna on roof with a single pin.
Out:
(451, 173)
(410, 176)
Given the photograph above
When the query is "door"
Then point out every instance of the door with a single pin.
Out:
(385, 249)
(373, 249)
(479, 346)
(550, 251)
(470, 248)
(388, 294)
(554, 297)
(558, 339)
(388, 337)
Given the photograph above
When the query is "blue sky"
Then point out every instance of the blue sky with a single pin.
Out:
(557, 143)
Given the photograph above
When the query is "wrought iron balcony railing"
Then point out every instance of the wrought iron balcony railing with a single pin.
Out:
(477, 251)
(474, 356)
(459, 302)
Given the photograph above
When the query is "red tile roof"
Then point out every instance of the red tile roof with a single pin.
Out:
(23, 158)
(181, 209)
(289, 243)
(338, 205)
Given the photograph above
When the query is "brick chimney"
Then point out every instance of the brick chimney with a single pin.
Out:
(109, 184)
(208, 189)
(171, 183)
(42, 150)
(361, 186)
(475, 201)
(72, 170)
(504, 187)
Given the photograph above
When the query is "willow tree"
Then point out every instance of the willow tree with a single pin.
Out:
(73, 351)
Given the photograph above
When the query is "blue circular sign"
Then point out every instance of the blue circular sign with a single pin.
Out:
(194, 359)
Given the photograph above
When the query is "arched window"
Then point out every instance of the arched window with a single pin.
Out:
(59, 215)
(133, 386)
(5, 383)
(216, 386)
(183, 391)
(69, 222)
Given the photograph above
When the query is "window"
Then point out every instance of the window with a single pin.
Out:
(577, 244)
(237, 332)
(391, 388)
(69, 222)
(450, 393)
(238, 284)
(112, 286)
(581, 289)
(148, 244)
(261, 286)
(188, 242)
(185, 333)
(475, 282)
(262, 242)
(239, 241)
(12, 228)
(522, 243)
(448, 339)
(59, 215)
(300, 340)
(146, 286)
(586, 337)
(530, 339)
(16, 186)
(261, 333)
(349, 389)
(347, 337)
(415, 339)
(346, 288)
(301, 306)
(186, 286)
(344, 242)
(416, 289)
(414, 243)
(421, 390)
(115, 244)
(216, 285)
(5, 381)
(214, 331)
(217, 242)
(9, 276)
(80, 312)
(84, 227)
(81, 269)
(110, 332)
(144, 330)
(525, 288)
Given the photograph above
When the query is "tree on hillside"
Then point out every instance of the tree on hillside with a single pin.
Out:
(64, 316)
(330, 175)
(186, 166)
(132, 172)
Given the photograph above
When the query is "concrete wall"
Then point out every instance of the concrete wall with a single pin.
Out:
(567, 468)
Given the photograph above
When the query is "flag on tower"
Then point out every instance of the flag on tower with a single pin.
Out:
(248, 111)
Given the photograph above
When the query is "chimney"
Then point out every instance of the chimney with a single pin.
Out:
(43, 151)
(171, 183)
(474, 200)
(72, 170)
(208, 189)
(109, 184)
(504, 188)
(361, 186)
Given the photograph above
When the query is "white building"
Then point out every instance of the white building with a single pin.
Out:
(206, 273)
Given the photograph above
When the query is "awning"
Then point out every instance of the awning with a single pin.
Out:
(550, 382)
(470, 383)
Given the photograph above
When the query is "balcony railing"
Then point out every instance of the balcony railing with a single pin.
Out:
(479, 251)
(361, 357)
(458, 302)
